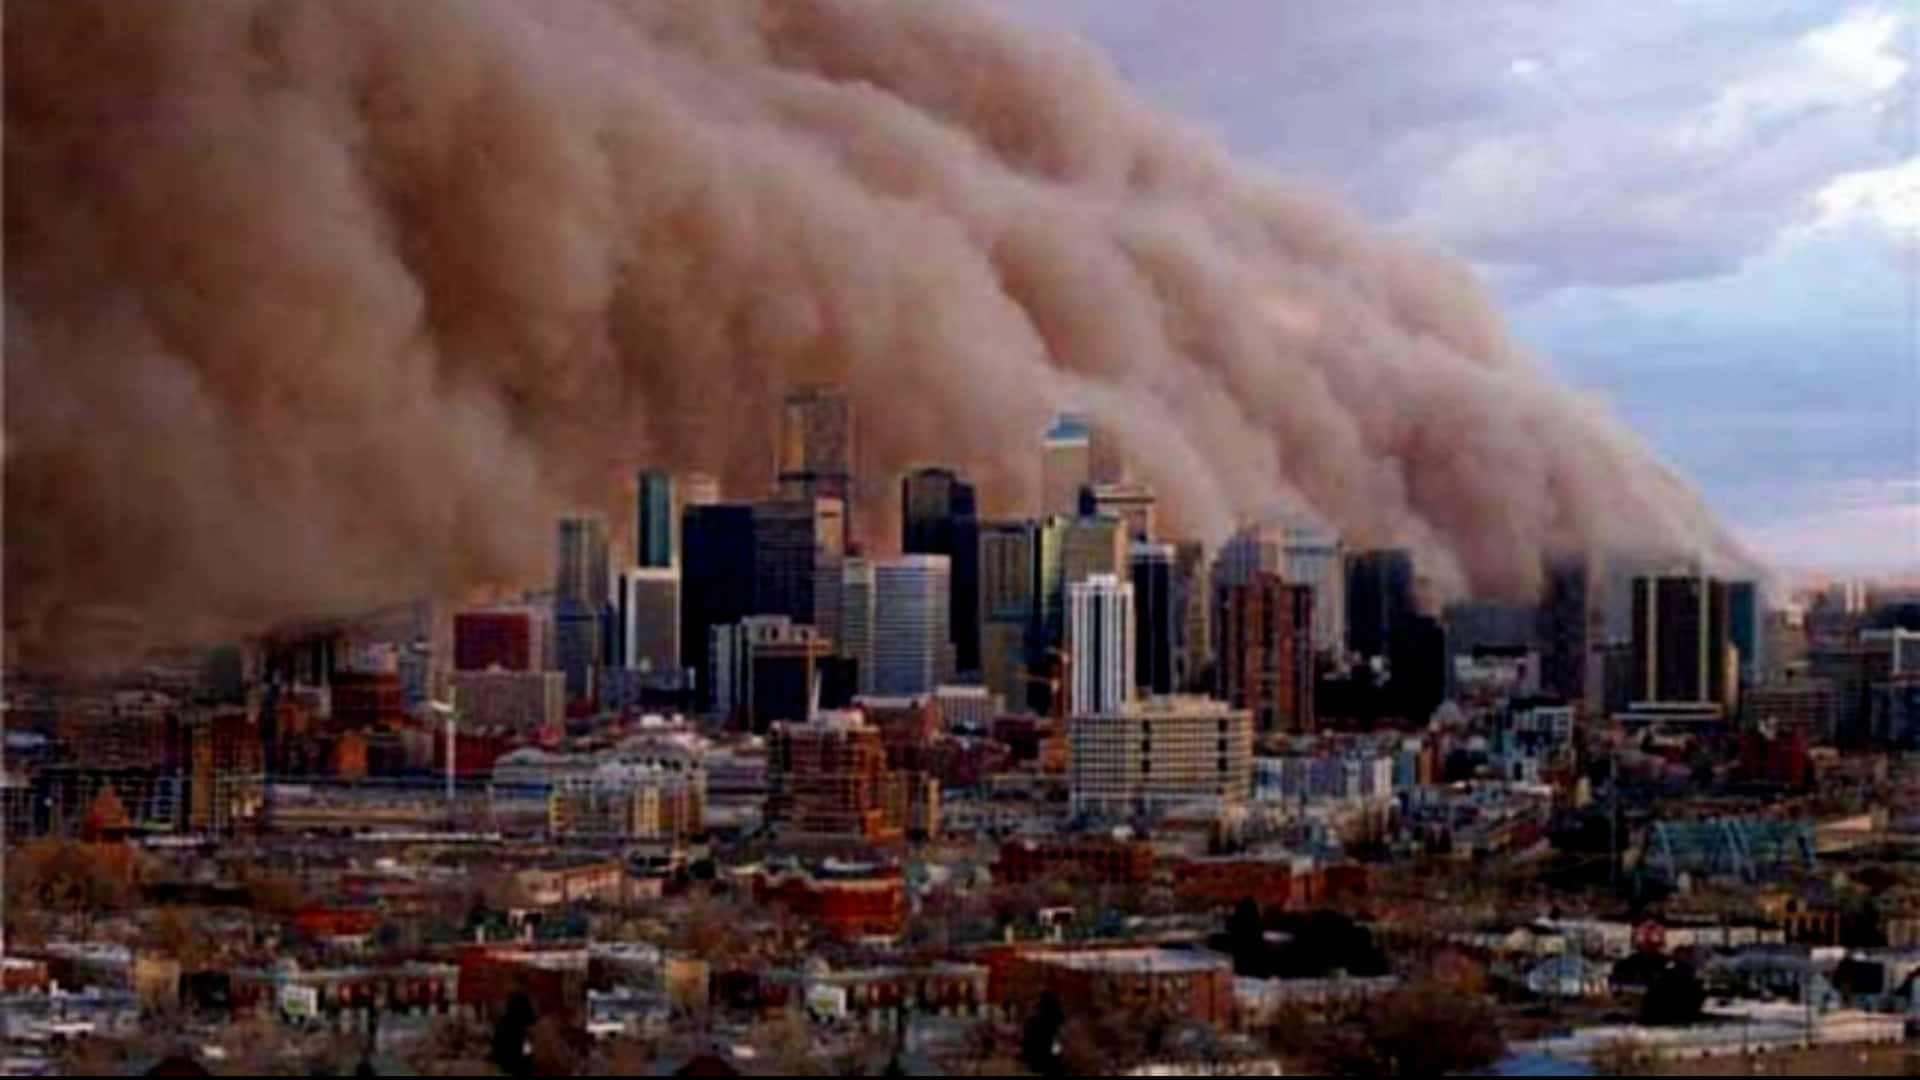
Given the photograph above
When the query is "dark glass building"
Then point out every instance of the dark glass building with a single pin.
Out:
(1155, 617)
(717, 580)
(938, 516)
(653, 521)
(1379, 598)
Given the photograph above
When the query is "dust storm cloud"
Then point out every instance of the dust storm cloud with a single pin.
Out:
(315, 305)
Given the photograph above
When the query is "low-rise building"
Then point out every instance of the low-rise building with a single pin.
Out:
(1100, 859)
(628, 801)
(1189, 983)
(521, 701)
(1161, 753)
(849, 900)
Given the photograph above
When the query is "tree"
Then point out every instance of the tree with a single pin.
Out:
(551, 1049)
(510, 1038)
(1423, 1029)
(1246, 939)
(1039, 1041)
(1674, 998)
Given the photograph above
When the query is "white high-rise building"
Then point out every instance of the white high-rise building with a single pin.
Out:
(1099, 644)
(911, 653)
(649, 612)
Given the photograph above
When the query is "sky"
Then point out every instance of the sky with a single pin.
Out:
(1706, 212)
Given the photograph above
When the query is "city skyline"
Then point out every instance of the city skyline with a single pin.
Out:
(1739, 283)
(978, 537)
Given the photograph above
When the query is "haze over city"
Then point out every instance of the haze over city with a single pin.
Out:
(1099, 537)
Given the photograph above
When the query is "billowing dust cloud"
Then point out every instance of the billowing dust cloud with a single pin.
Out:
(311, 306)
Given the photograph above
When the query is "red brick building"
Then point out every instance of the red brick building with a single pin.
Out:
(554, 980)
(1274, 884)
(1192, 984)
(850, 901)
(830, 779)
(1095, 859)
(1265, 652)
(365, 701)
(488, 639)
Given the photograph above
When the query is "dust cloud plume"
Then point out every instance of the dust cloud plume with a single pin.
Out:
(313, 305)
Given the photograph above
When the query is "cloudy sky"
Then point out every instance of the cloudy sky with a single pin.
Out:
(1706, 211)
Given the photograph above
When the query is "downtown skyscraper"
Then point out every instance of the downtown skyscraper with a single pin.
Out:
(938, 516)
(816, 450)
(1100, 645)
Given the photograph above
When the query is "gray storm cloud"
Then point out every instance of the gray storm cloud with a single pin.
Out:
(315, 305)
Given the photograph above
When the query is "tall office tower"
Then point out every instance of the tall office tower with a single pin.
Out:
(797, 547)
(1266, 656)
(1311, 554)
(1131, 502)
(1093, 545)
(1379, 598)
(1099, 644)
(577, 648)
(1568, 628)
(653, 524)
(1155, 618)
(857, 620)
(1250, 552)
(1067, 550)
(581, 574)
(1681, 640)
(649, 619)
(1193, 618)
(579, 599)
(816, 449)
(1746, 614)
(939, 517)
(1066, 465)
(911, 654)
(1417, 663)
(765, 669)
(698, 489)
(1007, 553)
(716, 581)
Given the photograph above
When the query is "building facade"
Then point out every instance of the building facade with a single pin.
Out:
(939, 517)
(1160, 753)
(1130, 502)
(648, 604)
(1192, 601)
(797, 548)
(716, 581)
(1265, 661)
(1066, 465)
(507, 638)
(1100, 644)
(816, 451)
(522, 701)
(655, 521)
(829, 779)
(1682, 646)
(1155, 618)
(1007, 612)
(1379, 598)
(911, 652)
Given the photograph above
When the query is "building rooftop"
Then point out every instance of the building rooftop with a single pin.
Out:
(1148, 961)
